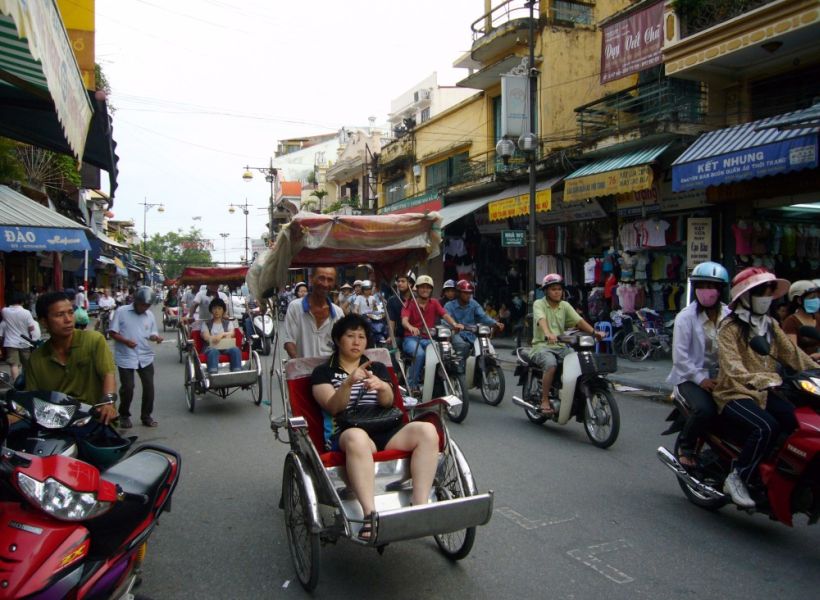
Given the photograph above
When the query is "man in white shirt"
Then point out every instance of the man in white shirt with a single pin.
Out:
(17, 322)
(105, 301)
(80, 299)
(132, 327)
(309, 320)
(199, 310)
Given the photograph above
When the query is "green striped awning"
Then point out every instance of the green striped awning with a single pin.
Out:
(621, 161)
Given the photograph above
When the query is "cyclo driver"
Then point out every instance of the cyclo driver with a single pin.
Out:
(467, 311)
(552, 315)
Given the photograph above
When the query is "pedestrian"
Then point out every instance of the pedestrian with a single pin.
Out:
(80, 299)
(17, 322)
(132, 327)
(309, 320)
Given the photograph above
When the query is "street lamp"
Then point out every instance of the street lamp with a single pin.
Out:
(146, 207)
(270, 174)
(244, 207)
(224, 250)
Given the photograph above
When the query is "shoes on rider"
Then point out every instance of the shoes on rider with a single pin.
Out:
(125, 423)
(735, 487)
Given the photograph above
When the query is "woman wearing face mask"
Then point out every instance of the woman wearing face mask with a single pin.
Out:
(695, 352)
(746, 387)
(806, 301)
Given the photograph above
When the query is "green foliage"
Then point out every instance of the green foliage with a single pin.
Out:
(176, 250)
(68, 169)
(11, 168)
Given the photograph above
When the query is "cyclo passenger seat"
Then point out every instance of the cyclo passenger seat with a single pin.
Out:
(200, 345)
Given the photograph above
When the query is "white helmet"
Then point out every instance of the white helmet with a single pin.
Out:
(357, 282)
(80, 288)
(424, 280)
(366, 284)
(801, 288)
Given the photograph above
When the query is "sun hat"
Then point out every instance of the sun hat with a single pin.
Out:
(752, 277)
(346, 286)
(424, 280)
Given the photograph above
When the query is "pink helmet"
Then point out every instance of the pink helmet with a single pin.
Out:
(465, 286)
(552, 279)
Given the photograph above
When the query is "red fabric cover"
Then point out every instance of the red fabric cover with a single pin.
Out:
(220, 275)
(199, 344)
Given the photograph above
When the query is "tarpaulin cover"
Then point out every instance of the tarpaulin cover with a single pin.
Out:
(391, 243)
(220, 275)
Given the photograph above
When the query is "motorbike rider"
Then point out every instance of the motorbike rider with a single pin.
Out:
(171, 301)
(448, 292)
(694, 352)
(467, 311)
(551, 316)
(803, 295)
(745, 392)
(300, 290)
(367, 301)
(396, 303)
(345, 292)
(416, 338)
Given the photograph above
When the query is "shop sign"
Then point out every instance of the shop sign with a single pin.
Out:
(517, 206)
(482, 222)
(514, 237)
(631, 179)
(423, 203)
(632, 44)
(698, 240)
(33, 239)
(568, 213)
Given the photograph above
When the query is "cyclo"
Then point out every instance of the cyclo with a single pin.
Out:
(319, 506)
(198, 381)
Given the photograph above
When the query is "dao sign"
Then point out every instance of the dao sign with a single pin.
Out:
(33, 239)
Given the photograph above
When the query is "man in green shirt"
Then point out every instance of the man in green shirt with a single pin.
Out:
(552, 315)
(73, 361)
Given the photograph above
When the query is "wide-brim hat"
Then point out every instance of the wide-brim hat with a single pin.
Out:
(753, 277)
(346, 286)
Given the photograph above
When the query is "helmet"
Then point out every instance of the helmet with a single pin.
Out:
(103, 447)
(424, 280)
(552, 279)
(298, 285)
(752, 277)
(465, 286)
(366, 284)
(448, 285)
(710, 271)
(144, 295)
(80, 288)
(800, 288)
(346, 286)
(357, 282)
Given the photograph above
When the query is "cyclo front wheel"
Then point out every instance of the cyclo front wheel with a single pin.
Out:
(447, 485)
(303, 544)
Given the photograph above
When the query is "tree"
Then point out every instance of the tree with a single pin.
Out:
(176, 250)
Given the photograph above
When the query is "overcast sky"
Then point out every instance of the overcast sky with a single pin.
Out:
(203, 87)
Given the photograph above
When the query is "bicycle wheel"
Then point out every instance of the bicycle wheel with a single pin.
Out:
(638, 346)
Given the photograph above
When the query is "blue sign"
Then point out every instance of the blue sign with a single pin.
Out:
(36, 239)
(759, 161)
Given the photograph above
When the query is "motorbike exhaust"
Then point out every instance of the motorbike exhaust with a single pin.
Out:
(522, 403)
(669, 460)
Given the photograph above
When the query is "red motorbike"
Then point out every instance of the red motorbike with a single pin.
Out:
(68, 530)
(789, 477)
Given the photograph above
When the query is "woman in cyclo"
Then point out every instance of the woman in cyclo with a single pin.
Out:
(214, 331)
(339, 381)
(695, 353)
(746, 390)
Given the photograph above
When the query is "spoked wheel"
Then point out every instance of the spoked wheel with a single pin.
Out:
(448, 484)
(190, 385)
(256, 391)
(532, 395)
(265, 345)
(303, 544)
(492, 385)
(459, 413)
(602, 420)
(709, 471)
(637, 346)
(180, 344)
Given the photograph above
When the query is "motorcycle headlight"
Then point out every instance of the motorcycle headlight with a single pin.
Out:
(443, 333)
(483, 330)
(60, 501)
(812, 386)
(446, 349)
(53, 416)
(586, 341)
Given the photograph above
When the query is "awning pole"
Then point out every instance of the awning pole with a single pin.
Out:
(85, 272)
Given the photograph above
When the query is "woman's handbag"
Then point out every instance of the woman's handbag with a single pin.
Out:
(373, 419)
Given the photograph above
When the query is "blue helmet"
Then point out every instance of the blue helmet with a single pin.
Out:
(710, 271)
(449, 284)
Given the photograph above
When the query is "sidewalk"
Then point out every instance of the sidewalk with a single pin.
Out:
(649, 375)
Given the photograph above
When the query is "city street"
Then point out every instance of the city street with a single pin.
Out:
(570, 520)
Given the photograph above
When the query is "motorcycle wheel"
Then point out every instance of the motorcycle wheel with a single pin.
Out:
(447, 485)
(190, 386)
(532, 394)
(493, 385)
(303, 545)
(604, 422)
(714, 479)
(265, 345)
(459, 413)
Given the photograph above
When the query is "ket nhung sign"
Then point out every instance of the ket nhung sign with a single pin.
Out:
(632, 43)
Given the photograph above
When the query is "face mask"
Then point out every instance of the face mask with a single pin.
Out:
(707, 297)
(811, 305)
(761, 304)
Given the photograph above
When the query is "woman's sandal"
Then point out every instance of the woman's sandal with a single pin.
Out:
(687, 459)
(366, 531)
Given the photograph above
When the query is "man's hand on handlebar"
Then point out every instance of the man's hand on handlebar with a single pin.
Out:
(106, 412)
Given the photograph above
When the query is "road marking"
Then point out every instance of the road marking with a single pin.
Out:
(589, 557)
(524, 522)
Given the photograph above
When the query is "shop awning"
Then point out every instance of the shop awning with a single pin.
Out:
(628, 172)
(105, 260)
(119, 267)
(26, 226)
(453, 212)
(515, 202)
(38, 68)
(110, 241)
(756, 149)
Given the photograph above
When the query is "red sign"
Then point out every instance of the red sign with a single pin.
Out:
(632, 44)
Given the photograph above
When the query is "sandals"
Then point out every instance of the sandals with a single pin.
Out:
(687, 459)
(366, 532)
(547, 412)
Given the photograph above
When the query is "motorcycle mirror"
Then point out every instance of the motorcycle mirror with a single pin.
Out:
(807, 331)
(5, 377)
(760, 345)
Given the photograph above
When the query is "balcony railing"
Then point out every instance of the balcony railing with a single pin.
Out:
(666, 100)
(698, 15)
(511, 10)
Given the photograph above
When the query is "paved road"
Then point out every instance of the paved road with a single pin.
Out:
(571, 521)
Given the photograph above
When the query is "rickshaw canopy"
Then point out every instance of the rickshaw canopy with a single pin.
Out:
(219, 275)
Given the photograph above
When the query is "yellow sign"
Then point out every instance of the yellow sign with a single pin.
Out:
(78, 19)
(621, 181)
(517, 206)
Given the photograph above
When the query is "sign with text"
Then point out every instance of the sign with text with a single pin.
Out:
(631, 179)
(517, 206)
(698, 240)
(514, 237)
(632, 44)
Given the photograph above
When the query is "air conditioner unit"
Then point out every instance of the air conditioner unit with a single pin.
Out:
(424, 94)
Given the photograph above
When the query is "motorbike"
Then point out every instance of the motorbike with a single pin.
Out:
(170, 317)
(75, 532)
(263, 326)
(580, 389)
(483, 369)
(104, 321)
(282, 308)
(378, 325)
(789, 482)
